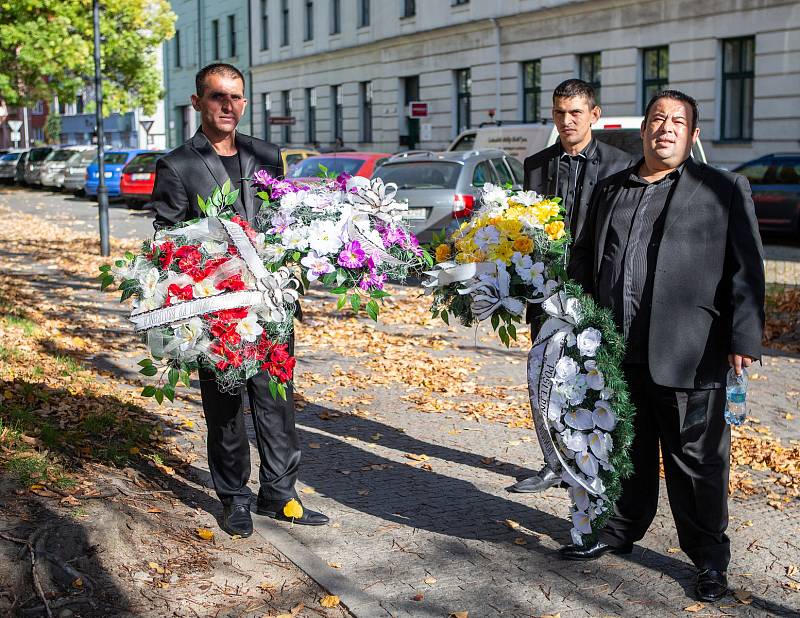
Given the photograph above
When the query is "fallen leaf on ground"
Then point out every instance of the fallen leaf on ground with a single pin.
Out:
(313, 445)
(330, 600)
(791, 569)
(308, 490)
(511, 524)
(204, 533)
(694, 608)
(335, 565)
(459, 615)
(673, 550)
(520, 541)
(430, 580)
(743, 596)
(416, 457)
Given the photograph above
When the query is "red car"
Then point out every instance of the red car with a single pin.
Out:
(354, 163)
(138, 178)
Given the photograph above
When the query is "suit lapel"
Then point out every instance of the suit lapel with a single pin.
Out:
(688, 183)
(605, 221)
(244, 144)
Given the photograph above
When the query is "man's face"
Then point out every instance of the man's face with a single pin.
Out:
(667, 134)
(574, 119)
(222, 103)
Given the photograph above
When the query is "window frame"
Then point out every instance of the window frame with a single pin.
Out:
(744, 134)
(232, 35)
(266, 109)
(365, 94)
(215, 39)
(364, 13)
(336, 17)
(178, 64)
(311, 115)
(661, 83)
(465, 96)
(264, 25)
(337, 112)
(596, 69)
(308, 34)
(286, 96)
(535, 89)
(409, 8)
(285, 26)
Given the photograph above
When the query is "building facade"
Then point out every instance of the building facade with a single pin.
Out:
(348, 68)
(205, 32)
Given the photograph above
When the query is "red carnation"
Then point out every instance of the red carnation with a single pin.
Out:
(233, 283)
(181, 293)
(167, 253)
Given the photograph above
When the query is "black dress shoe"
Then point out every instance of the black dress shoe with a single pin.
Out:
(544, 479)
(711, 585)
(590, 552)
(236, 520)
(277, 510)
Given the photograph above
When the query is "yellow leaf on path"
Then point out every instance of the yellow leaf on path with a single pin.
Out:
(134, 450)
(308, 490)
(558, 615)
(313, 445)
(153, 565)
(293, 509)
(335, 565)
(204, 533)
(459, 615)
(694, 608)
(416, 457)
(511, 524)
(36, 486)
(520, 541)
(673, 550)
(430, 580)
(789, 416)
(791, 569)
(266, 586)
(154, 509)
(330, 600)
(77, 582)
(743, 596)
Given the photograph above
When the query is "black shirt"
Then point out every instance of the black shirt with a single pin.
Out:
(569, 175)
(233, 167)
(629, 257)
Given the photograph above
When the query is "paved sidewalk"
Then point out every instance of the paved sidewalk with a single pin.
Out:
(421, 522)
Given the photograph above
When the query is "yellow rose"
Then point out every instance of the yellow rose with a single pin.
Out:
(442, 252)
(510, 227)
(523, 244)
(554, 230)
(503, 251)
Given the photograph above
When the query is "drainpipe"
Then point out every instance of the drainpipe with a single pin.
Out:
(497, 50)
(250, 64)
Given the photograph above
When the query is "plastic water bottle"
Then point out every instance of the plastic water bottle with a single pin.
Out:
(736, 391)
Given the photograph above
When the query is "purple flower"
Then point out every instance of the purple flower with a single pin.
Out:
(280, 222)
(340, 182)
(263, 180)
(372, 281)
(352, 256)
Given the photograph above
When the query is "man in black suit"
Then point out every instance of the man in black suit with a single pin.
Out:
(217, 152)
(672, 248)
(570, 169)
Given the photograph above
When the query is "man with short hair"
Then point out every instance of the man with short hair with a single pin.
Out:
(216, 153)
(672, 249)
(569, 169)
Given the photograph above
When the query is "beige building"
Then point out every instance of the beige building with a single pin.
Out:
(348, 68)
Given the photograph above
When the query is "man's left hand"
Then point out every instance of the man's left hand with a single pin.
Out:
(739, 362)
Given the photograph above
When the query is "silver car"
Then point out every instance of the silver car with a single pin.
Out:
(33, 166)
(8, 165)
(54, 166)
(443, 188)
(75, 171)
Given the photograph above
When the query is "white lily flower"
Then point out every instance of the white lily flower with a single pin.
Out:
(295, 238)
(149, 283)
(189, 333)
(603, 416)
(205, 288)
(582, 522)
(601, 444)
(580, 497)
(580, 418)
(594, 378)
(214, 248)
(249, 328)
(577, 537)
(574, 440)
(324, 237)
(587, 463)
(493, 194)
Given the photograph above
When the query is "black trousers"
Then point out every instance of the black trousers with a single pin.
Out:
(695, 446)
(228, 446)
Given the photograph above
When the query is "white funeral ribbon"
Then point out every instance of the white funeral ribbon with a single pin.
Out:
(488, 298)
(549, 346)
(375, 198)
(274, 290)
(448, 272)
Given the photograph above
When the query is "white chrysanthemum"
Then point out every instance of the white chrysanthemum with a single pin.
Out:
(566, 370)
(588, 341)
(295, 238)
(323, 237)
(486, 236)
(494, 195)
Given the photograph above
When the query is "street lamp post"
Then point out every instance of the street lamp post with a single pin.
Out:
(102, 190)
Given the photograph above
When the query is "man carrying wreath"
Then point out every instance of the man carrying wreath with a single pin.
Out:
(671, 246)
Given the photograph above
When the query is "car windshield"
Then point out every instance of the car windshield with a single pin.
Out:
(11, 156)
(467, 142)
(113, 158)
(336, 165)
(421, 174)
(60, 155)
(145, 162)
(39, 154)
(630, 140)
(87, 156)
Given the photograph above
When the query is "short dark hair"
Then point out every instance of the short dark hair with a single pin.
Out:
(575, 88)
(676, 95)
(217, 68)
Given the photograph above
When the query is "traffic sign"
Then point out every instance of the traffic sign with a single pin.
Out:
(417, 109)
(15, 136)
(282, 120)
(14, 125)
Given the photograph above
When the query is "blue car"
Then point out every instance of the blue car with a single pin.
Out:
(115, 160)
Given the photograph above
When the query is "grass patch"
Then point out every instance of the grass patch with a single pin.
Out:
(69, 366)
(30, 468)
(15, 321)
(9, 354)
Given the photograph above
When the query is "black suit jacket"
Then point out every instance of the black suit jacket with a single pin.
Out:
(708, 289)
(195, 169)
(541, 170)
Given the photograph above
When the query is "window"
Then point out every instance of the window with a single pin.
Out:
(409, 8)
(311, 115)
(483, 173)
(503, 173)
(365, 93)
(266, 100)
(463, 99)
(178, 48)
(531, 91)
(215, 39)
(309, 20)
(79, 104)
(38, 108)
(264, 25)
(337, 108)
(655, 72)
(287, 111)
(363, 13)
(232, 35)
(184, 114)
(589, 71)
(738, 56)
(284, 22)
(458, 2)
(411, 93)
(336, 16)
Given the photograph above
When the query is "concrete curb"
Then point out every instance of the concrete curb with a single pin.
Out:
(350, 595)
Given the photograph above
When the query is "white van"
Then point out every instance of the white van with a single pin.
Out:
(624, 132)
(518, 140)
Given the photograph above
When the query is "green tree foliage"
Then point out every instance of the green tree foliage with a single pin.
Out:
(47, 48)
(52, 130)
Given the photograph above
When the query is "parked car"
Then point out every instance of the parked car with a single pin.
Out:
(354, 163)
(75, 170)
(114, 161)
(293, 156)
(8, 165)
(138, 178)
(33, 166)
(22, 164)
(520, 140)
(624, 132)
(54, 166)
(443, 187)
(775, 182)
